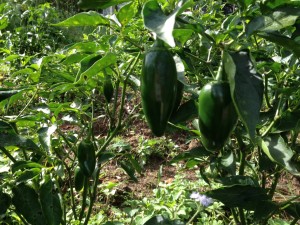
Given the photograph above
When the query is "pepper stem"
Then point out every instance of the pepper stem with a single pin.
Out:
(158, 43)
(221, 75)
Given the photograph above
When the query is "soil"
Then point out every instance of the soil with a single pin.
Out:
(288, 186)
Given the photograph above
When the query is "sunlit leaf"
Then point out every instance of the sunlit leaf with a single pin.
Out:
(156, 21)
(84, 19)
(279, 152)
(281, 18)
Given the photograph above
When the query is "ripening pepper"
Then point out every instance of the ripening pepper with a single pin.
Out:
(86, 157)
(217, 114)
(158, 87)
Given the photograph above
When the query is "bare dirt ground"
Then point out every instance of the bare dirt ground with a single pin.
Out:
(288, 186)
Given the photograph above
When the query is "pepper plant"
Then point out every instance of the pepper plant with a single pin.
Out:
(233, 71)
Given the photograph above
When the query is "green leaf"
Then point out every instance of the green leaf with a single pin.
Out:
(283, 41)
(238, 180)
(156, 21)
(26, 201)
(5, 201)
(23, 176)
(228, 162)
(161, 220)
(6, 127)
(183, 35)
(279, 152)
(129, 169)
(281, 18)
(19, 141)
(289, 120)
(85, 47)
(246, 87)
(244, 196)
(5, 93)
(99, 4)
(98, 66)
(50, 202)
(84, 19)
(74, 58)
(276, 3)
(127, 12)
(45, 137)
(105, 157)
(294, 209)
(186, 111)
(197, 152)
(20, 165)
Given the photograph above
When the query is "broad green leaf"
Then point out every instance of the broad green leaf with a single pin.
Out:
(6, 127)
(50, 202)
(186, 111)
(45, 137)
(86, 47)
(20, 165)
(238, 180)
(183, 35)
(127, 12)
(194, 153)
(84, 19)
(62, 88)
(105, 157)
(88, 61)
(276, 3)
(5, 93)
(246, 87)
(99, 4)
(228, 162)
(279, 152)
(98, 66)
(161, 220)
(26, 201)
(19, 141)
(3, 22)
(129, 169)
(289, 120)
(74, 58)
(156, 21)
(283, 41)
(244, 196)
(23, 176)
(294, 209)
(281, 18)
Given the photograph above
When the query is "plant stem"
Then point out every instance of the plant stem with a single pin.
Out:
(26, 106)
(93, 196)
(242, 216)
(274, 184)
(8, 154)
(294, 221)
(193, 217)
(84, 196)
(235, 216)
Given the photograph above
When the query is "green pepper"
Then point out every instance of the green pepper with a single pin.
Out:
(78, 179)
(108, 88)
(158, 87)
(86, 157)
(217, 114)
